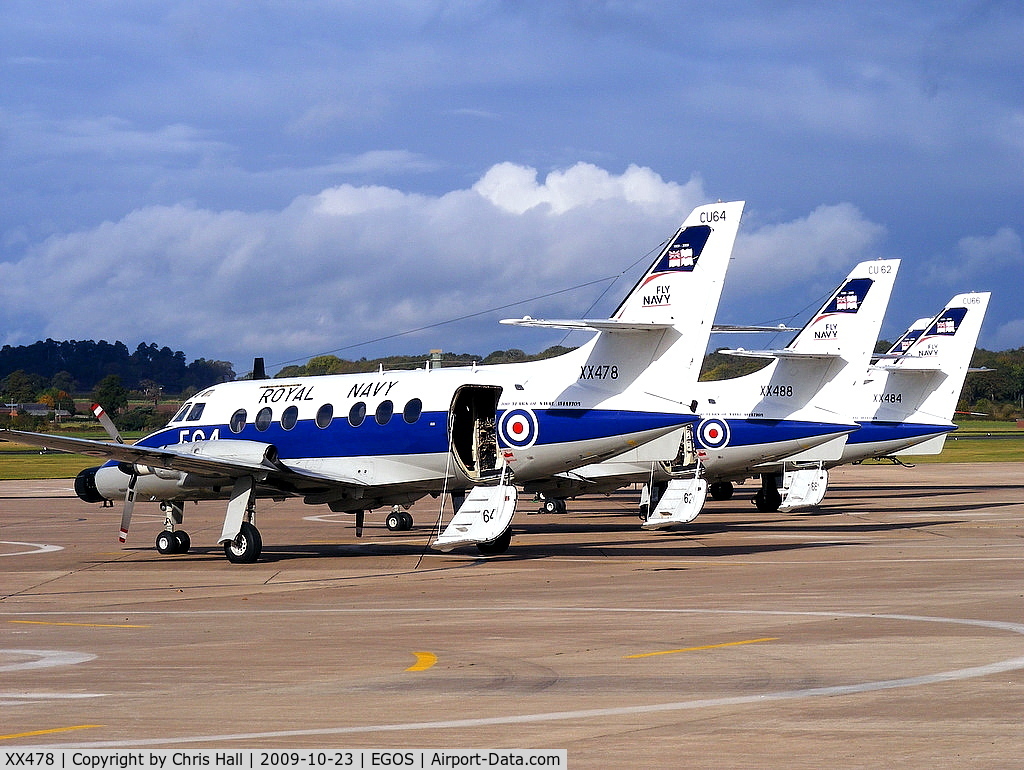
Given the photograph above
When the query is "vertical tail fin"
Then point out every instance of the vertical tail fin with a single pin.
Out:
(849, 322)
(659, 333)
(684, 284)
(845, 328)
(943, 349)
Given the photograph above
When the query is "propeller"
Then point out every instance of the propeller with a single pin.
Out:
(129, 498)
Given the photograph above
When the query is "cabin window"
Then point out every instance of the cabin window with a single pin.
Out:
(263, 418)
(324, 415)
(412, 411)
(384, 411)
(357, 414)
(197, 412)
(289, 417)
(181, 413)
(238, 421)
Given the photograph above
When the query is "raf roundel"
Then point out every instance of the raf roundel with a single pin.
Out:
(713, 434)
(518, 428)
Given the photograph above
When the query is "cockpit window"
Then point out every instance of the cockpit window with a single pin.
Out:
(181, 413)
(197, 412)
(237, 421)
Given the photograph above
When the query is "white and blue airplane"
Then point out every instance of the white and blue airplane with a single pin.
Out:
(911, 392)
(360, 441)
(795, 406)
(903, 405)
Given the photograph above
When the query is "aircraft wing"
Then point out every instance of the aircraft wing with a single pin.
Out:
(219, 458)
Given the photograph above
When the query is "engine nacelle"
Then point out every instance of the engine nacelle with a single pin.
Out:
(85, 486)
(234, 450)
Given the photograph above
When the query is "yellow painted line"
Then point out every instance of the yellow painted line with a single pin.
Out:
(424, 660)
(47, 732)
(704, 647)
(83, 625)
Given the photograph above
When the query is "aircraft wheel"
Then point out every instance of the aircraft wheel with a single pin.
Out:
(644, 512)
(393, 521)
(550, 505)
(497, 546)
(184, 541)
(720, 490)
(406, 520)
(166, 543)
(246, 547)
(767, 503)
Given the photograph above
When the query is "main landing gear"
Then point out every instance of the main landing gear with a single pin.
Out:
(398, 520)
(246, 547)
(768, 498)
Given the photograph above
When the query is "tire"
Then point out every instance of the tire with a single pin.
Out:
(550, 505)
(497, 546)
(767, 503)
(393, 521)
(184, 541)
(246, 547)
(166, 543)
(406, 521)
(720, 490)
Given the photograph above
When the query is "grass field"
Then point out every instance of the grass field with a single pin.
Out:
(976, 441)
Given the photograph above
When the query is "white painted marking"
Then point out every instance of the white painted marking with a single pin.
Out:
(997, 667)
(36, 548)
(43, 659)
(20, 699)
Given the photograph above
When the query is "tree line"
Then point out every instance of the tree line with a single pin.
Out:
(78, 366)
(55, 373)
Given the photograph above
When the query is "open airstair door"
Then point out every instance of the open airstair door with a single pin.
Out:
(680, 503)
(472, 430)
(484, 520)
(485, 517)
(803, 488)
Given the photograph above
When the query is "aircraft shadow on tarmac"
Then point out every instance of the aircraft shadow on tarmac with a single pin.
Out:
(627, 542)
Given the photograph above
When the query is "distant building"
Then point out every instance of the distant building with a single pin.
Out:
(35, 410)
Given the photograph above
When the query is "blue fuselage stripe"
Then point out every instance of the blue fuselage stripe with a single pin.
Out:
(754, 432)
(427, 435)
(871, 432)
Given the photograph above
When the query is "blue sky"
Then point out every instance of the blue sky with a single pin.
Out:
(287, 179)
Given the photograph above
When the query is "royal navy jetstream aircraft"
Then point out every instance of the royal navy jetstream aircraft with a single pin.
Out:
(795, 405)
(906, 401)
(360, 441)
(912, 390)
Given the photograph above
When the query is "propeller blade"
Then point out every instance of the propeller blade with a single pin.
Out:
(129, 504)
(107, 423)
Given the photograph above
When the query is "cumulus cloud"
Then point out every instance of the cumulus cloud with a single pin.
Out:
(356, 263)
(826, 242)
(981, 255)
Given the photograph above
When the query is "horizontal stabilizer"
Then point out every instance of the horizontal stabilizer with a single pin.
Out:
(740, 329)
(782, 354)
(590, 324)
